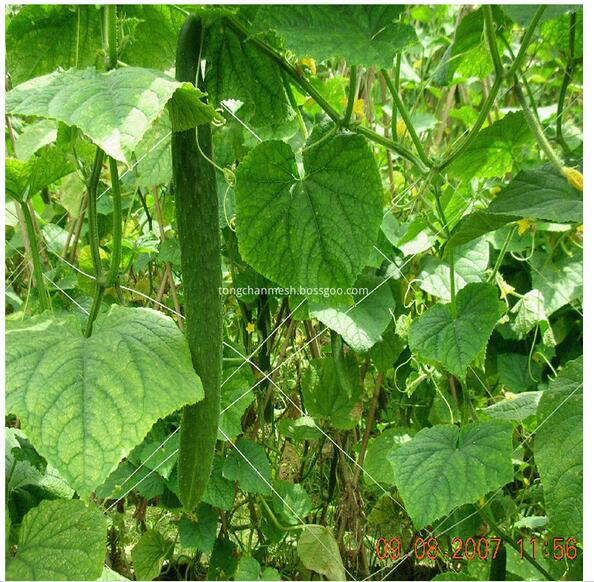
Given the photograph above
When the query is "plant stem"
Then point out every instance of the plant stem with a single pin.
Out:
(440, 212)
(390, 144)
(492, 39)
(454, 308)
(564, 84)
(369, 423)
(94, 240)
(396, 89)
(116, 251)
(478, 124)
(92, 211)
(536, 129)
(35, 257)
(486, 514)
(525, 42)
(406, 118)
(275, 520)
(294, 105)
(111, 50)
(110, 36)
(352, 95)
(501, 255)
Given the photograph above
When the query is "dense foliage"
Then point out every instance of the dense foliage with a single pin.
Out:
(407, 406)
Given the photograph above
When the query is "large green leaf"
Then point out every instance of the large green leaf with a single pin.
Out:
(25, 179)
(248, 568)
(529, 311)
(24, 467)
(113, 109)
(220, 492)
(236, 392)
(454, 342)
(20, 472)
(319, 552)
(60, 540)
(474, 225)
(293, 496)
(361, 324)
(541, 194)
(494, 150)
(41, 38)
(149, 553)
(558, 451)
(559, 278)
(249, 466)
(35, 136)
(378, 450)
(517, 372)
(471, 262)
(315, 230)
(153, 39)
(444, 467)
(363, 35)
(129, 477)
(326, 397)
(236, 69)
(153, 154)
(86, 402)
(468, 55)
(516, 407)
(199, 531)
(524, 13)
(387, 350)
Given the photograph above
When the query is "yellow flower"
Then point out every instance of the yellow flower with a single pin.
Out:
(505, 288)
(495, 190)
(358, 107)
(310, 64)
(574, 177)
(401, 128)
(524, 225)
(510, 396)
(580, 229)
(250, 327)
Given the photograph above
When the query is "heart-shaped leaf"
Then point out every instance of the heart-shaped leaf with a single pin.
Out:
(85, 403)
(454, 342)
(316, 230)
(444, 467)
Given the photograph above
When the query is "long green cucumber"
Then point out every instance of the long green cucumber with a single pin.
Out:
(196, 203)
(497, 570)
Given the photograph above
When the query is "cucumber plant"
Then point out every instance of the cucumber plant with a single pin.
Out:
(294, 292)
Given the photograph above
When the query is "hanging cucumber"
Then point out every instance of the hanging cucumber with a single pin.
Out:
(498, 568)
(196, 203)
